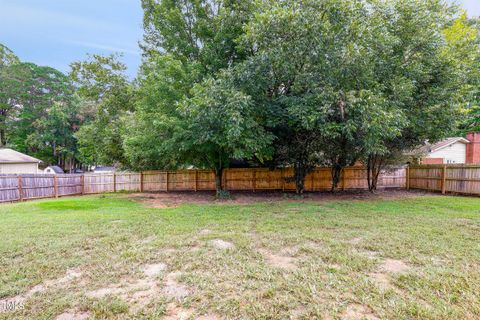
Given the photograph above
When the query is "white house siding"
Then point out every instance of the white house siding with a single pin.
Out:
(18, 168)
(454, 153)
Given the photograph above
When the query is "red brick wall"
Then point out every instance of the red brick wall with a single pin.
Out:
(473, 148)
(432, 161)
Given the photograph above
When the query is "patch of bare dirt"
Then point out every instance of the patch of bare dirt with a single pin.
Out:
(279, 261)
(195, 247)
(177, 313)
(176, 198)
(152, 270)
(356, 240)
(208, 317)
(357, 312)
(103, 292)
(221, 244)
(69, 276)
(73, 315)
(298, 313)
(136, 292)
(148, 240)
(370, 254)
(289, 251)
(313, 245)
(204, 232)
(394, 266)
(381, 280)
(173, 288)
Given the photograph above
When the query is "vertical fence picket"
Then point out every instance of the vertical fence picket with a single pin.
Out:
(55, 186)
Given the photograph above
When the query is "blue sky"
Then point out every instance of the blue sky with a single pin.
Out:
(57, 32)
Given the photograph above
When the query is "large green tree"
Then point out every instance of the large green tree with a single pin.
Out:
(31, 97)
(7, 57)
(106, 98)
(10, 89)
(347, 80)
(464, 46)
(201, 32)
(186, 45)
(325, 106)
(150, 140)
(220, 124)
(428, 71)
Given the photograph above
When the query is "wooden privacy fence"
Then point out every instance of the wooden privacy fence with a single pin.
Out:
(36, 186)
(464, 179)
(23, 187)
(252, 179)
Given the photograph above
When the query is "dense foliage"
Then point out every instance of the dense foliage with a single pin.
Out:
(38, 110)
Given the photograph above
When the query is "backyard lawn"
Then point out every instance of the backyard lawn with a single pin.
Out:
(118, 257)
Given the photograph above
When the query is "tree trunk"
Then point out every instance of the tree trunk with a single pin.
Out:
(300, 174)
(374, 167)
(3, 139)
(336, 176)
(218, 180)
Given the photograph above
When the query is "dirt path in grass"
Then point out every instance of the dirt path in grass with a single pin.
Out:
(175, 199)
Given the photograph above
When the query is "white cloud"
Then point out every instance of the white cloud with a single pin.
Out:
(93, 45)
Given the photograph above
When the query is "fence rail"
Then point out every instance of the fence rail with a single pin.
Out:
(24, 187)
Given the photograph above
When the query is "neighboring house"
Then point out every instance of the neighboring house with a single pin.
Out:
(13, 162)
(454, 150)
(102, 169)
(53, 170)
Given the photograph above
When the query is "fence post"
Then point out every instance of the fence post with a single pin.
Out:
(82, 183)
(196, 180)
(407, 178)
(141, 181)
(167, 181)
(55, 185)
(342, 175)
(254, 182)
(444, 179)
(114, 182)
(20, 189)
(283, 179)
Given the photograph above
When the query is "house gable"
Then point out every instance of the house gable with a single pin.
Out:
(450, 153)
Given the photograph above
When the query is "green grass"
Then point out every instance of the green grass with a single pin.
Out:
(336, 246)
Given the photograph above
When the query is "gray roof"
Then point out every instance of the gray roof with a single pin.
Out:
(102, 168)
(56, 169)
(12, 156)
